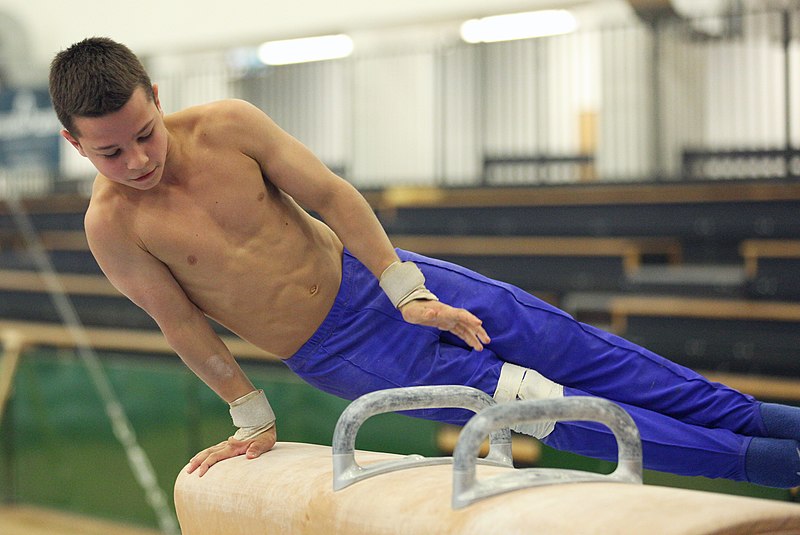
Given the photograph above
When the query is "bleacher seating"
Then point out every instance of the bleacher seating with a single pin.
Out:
(548, 264)
(727, 304)
(730, 335)
(700, 272)
(772, 267)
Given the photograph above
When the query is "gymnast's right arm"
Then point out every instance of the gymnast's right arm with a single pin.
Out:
(146, 281)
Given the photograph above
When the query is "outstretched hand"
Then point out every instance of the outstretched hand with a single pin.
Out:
(458, 321)
(253, 448)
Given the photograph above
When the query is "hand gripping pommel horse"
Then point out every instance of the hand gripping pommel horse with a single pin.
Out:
(305, 488)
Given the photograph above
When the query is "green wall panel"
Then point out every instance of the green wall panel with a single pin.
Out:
(59, 450)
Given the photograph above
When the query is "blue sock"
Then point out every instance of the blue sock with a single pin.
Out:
(781, 421)
(773, 462)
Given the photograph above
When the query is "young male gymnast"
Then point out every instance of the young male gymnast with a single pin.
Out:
(198, 214)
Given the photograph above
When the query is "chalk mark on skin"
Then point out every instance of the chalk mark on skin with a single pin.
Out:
(217, 367)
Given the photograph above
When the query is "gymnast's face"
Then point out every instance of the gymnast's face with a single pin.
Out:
(128, 146)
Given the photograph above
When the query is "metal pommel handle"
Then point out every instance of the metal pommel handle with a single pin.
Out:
(347, 471)
(466, 489)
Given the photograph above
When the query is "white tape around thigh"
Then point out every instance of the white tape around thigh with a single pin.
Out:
(252, 414)
(516, 382)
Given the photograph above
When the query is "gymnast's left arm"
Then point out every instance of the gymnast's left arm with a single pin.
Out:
(294, 169)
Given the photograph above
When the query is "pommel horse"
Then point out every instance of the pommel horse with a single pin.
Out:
(311, 489)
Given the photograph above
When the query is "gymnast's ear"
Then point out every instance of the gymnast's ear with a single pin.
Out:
(73, 141)
(155, 99)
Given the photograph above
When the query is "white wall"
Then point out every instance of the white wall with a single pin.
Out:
(149, 26)
(389, 120)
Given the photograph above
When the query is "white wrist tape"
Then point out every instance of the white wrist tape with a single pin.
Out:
(403, 282)
(252, 414)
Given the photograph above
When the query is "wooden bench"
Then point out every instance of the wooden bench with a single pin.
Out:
(711, 219)
(630, 250)
(760, 386)
(737, 315)
(608, 194)
(9, 239)
(64, 240)
(52, 204)
(622, 307)
(69, 251)
(72, 283)
(52, 240)
(772, 267)
(25, 296)
(754, 251)
(32, 334)
(17, 336)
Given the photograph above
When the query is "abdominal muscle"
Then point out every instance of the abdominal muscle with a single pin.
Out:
(247, 256)
(278, 302)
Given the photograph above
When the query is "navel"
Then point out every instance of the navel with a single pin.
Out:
(261, 196)
(313, 289)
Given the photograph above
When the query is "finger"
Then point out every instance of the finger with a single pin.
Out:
(197, 460)
(193, 464)
(262, 443)
(255, 450)
(474, 342)
(466, 335)
(223, 450)
(258, 447)
(211, 460)
(475, 336)
(483, 336)
(475, 326)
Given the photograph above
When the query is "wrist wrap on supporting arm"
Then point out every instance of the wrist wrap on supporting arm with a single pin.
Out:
(403, 282)
(252, 414)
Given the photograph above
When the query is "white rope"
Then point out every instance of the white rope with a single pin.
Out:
(137, 458)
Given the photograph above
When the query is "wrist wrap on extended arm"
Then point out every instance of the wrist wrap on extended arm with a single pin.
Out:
(403, 282)
(252, 414)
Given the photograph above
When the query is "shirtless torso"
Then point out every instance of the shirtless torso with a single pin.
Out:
(198, 214)
(242, 250)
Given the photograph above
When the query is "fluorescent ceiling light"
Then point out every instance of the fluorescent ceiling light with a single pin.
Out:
(305, 49)
(518, 26)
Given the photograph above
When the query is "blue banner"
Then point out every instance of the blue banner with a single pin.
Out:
(29, 131)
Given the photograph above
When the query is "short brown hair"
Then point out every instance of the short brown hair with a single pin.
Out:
(94, 77)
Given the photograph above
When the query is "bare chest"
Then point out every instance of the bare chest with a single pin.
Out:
(204, 226)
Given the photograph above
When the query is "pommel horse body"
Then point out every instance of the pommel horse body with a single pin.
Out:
(312, 489)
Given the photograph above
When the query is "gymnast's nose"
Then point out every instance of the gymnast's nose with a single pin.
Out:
(137, 158)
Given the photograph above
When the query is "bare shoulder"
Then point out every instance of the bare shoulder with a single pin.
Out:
(232, 109)
(228, 125)
(218, 120)
(105, 218)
